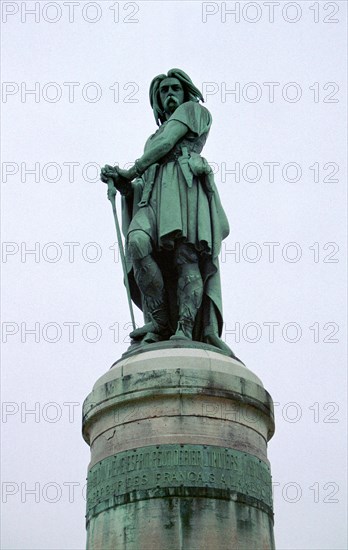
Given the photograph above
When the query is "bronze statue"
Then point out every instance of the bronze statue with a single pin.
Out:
(173, 221)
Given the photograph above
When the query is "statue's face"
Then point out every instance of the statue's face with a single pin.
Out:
(171, 94)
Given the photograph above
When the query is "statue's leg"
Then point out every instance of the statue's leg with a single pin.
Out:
(189, 291)
(149, 279)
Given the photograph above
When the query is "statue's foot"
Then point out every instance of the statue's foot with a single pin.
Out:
(139, 333)
(148, 338)
(152, 338)
(183, 332)
(150, 333)
(159, 326)
(179, 335)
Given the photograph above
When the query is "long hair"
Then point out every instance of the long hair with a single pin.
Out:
(191, 93)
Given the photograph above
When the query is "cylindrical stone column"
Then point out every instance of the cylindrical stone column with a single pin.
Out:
(178, 441)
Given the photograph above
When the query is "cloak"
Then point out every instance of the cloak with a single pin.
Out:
(175, 200)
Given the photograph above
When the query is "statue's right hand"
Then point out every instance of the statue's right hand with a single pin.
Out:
(108, 172)
(122, 184)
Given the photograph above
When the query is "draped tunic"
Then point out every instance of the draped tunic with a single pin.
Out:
(176, 200)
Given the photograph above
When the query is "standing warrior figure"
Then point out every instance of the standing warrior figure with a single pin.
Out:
(173, 221)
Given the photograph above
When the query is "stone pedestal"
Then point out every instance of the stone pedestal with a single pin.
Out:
(178, 441)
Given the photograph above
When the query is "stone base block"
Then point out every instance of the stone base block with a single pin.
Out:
(178, 442)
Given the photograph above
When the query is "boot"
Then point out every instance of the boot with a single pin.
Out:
(190, 293)
(157, 329)
(184, 329)
(150, 282)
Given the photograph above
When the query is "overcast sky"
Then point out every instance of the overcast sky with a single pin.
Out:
(74, 97)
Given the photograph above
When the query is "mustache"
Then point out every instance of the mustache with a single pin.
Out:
(171, 98)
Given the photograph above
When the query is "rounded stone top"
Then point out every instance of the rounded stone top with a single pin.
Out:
(189, 374)
(175, 357)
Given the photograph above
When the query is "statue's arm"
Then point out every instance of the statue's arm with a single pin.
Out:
(158, 147)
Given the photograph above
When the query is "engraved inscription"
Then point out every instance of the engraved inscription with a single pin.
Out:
(164, 466)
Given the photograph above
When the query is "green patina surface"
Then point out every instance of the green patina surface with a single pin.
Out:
(159, 467)
(173, 221)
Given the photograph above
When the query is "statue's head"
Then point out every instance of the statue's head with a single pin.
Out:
(168, 91)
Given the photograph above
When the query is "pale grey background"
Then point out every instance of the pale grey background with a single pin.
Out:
(305, 378)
